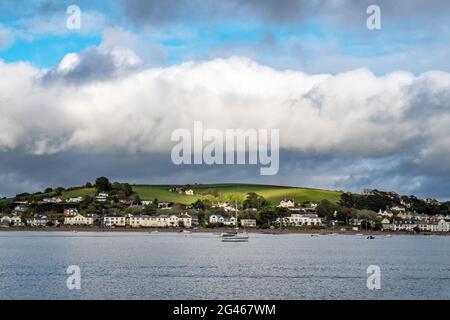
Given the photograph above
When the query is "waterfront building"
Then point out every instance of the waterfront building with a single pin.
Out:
(301, 220)
(215, 218)
(38, 221)
(250, 223)
(114, 221)
(78, 219)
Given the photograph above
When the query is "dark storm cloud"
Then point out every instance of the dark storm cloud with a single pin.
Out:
(28, 173)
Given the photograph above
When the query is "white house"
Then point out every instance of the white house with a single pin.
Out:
(385, 214)
(248, 223)
(229, 221)
(185, 220)
(286, 203)
(301, 220)
(116, 221)
(74, 200)
(403, 226)
(225, 206)
(146, 202)
(5, 220)
(79, 220)
(398, 209)
(52, 200)
(189, 192)
(38, 221)
(102, 197)
(216, 218)
(386, 224)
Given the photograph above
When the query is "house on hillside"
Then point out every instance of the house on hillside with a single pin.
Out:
(286, 203)
(102, 197)
(74, 200)
(165, 205)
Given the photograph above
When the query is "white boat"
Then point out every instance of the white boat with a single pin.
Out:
(235, 236)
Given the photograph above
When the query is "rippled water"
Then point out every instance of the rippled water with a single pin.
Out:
(198, 266)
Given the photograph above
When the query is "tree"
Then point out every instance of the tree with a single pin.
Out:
(254, 200)
(137, 200)
(326, 209)
(102, 184)
(88, 185)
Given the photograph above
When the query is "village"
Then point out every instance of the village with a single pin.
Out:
(168, 215)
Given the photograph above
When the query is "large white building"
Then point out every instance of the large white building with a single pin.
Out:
(79, 220)
(301, 220)
(114, 221)
(161, 221)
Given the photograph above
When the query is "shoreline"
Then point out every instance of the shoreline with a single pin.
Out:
(220, 230)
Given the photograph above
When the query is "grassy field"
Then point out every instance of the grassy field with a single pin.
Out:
(82, 192)
(221, 192)
(231, 192)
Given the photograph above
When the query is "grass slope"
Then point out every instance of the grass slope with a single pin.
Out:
(221, 192)
(231, 192)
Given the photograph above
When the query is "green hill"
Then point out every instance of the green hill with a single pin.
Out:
(221, 192)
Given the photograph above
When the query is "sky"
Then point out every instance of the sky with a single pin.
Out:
(356, 108)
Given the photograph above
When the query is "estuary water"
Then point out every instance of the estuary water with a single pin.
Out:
(132, 265)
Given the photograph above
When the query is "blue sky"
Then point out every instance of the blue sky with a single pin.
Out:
(320, 38)
(356, 107)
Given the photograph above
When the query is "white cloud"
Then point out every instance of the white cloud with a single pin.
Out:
(353, 114)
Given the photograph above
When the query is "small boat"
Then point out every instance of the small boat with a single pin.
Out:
(186, 231)
(314, 235)
(154, 232)
(235, 236)
(370, 237)
(359, 234)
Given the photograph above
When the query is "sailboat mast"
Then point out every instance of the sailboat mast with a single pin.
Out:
(237, 227)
